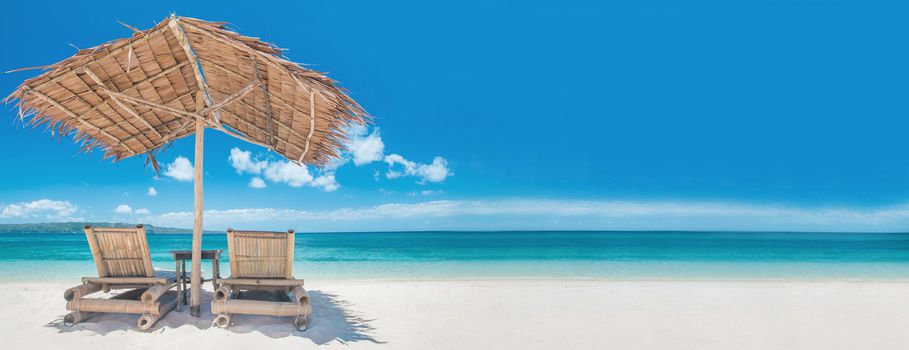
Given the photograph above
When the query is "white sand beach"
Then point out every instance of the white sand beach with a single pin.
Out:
(540, 314)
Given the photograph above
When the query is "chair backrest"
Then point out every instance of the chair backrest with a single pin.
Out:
(120, 252)
(259, 254)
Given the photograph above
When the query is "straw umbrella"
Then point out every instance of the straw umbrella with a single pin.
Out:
(136, 95)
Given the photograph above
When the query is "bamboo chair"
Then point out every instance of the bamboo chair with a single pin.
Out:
(261, 261)
(123, 261)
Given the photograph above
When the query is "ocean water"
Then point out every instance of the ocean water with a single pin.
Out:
(519, 255)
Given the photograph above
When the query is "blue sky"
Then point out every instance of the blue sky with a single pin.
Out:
(786, 115)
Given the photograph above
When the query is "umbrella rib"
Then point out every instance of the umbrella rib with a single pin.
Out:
(66, 73)
(232, 98)
(312, 124)
(91, 74)
(271, 137)
(165, 138)
(311, 113)
(219, 37)
(150, 104)
(182, 128)
(278, 122)
(253, 126)
(141, 68)
(124, 46)
(136, 86)
(278, 98)
(104, 101)
(270, 59)
(241, 137)
(105, 116)
(175, 27)
(80, 119)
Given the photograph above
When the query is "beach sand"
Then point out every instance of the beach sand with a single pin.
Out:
(509, 314)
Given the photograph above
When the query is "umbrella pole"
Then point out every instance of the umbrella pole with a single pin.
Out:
(198, 203)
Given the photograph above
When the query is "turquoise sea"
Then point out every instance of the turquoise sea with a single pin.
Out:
(522, 255)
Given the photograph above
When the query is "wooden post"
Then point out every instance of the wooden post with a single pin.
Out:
(289, 264)
(179, 284)
(215, 271)
(96, 251)
(81, 291)
(198, 203)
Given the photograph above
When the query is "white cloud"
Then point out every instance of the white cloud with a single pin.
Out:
(289, 173)
(326, 182)
(365, 148)
(46, 208)
(181, 169)
(142, 211)
(123, 209)
(257, 182)
(562, 215)
(151, 192)
(430, 192)
(298, 176)
(283, 172)
(243, 162)
(437, 171)
(398, 159)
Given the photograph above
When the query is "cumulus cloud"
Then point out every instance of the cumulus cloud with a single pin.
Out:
(283, 172)
(289, 173)
(243, 162)
(298, 176)
(142, 211)
(123, 209)
(151, 192)
(257, 182)
(564, 214)
(365, 148)
(437, 171)
(181, 169)
(326, 182)
(42, 208)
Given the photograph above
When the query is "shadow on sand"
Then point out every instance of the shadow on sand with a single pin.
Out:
(333, 319)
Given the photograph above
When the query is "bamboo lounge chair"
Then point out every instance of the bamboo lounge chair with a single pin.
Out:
(260, 261)
(123, 261)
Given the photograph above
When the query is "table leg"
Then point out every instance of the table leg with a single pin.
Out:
(216, 272)
(183, 280)
(179, 284)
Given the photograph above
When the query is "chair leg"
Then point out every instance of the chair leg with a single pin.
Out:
(183, 280)
(215, 272)
(301, 322)
(166, 304)
(76, 316)
(179, 285)
(222, 320)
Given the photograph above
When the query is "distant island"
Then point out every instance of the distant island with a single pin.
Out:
(77, 228)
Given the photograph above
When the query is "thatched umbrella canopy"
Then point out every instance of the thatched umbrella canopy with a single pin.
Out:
(136, 95)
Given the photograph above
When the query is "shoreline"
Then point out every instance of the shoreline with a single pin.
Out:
(496, 280)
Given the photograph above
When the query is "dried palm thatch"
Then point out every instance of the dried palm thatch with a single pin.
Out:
(135, 95)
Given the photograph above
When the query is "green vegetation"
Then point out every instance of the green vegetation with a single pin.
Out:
(76, 227)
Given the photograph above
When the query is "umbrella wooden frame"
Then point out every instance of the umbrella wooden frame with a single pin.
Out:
(136, 95)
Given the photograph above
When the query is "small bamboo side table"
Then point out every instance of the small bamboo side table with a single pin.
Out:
(180, 257)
